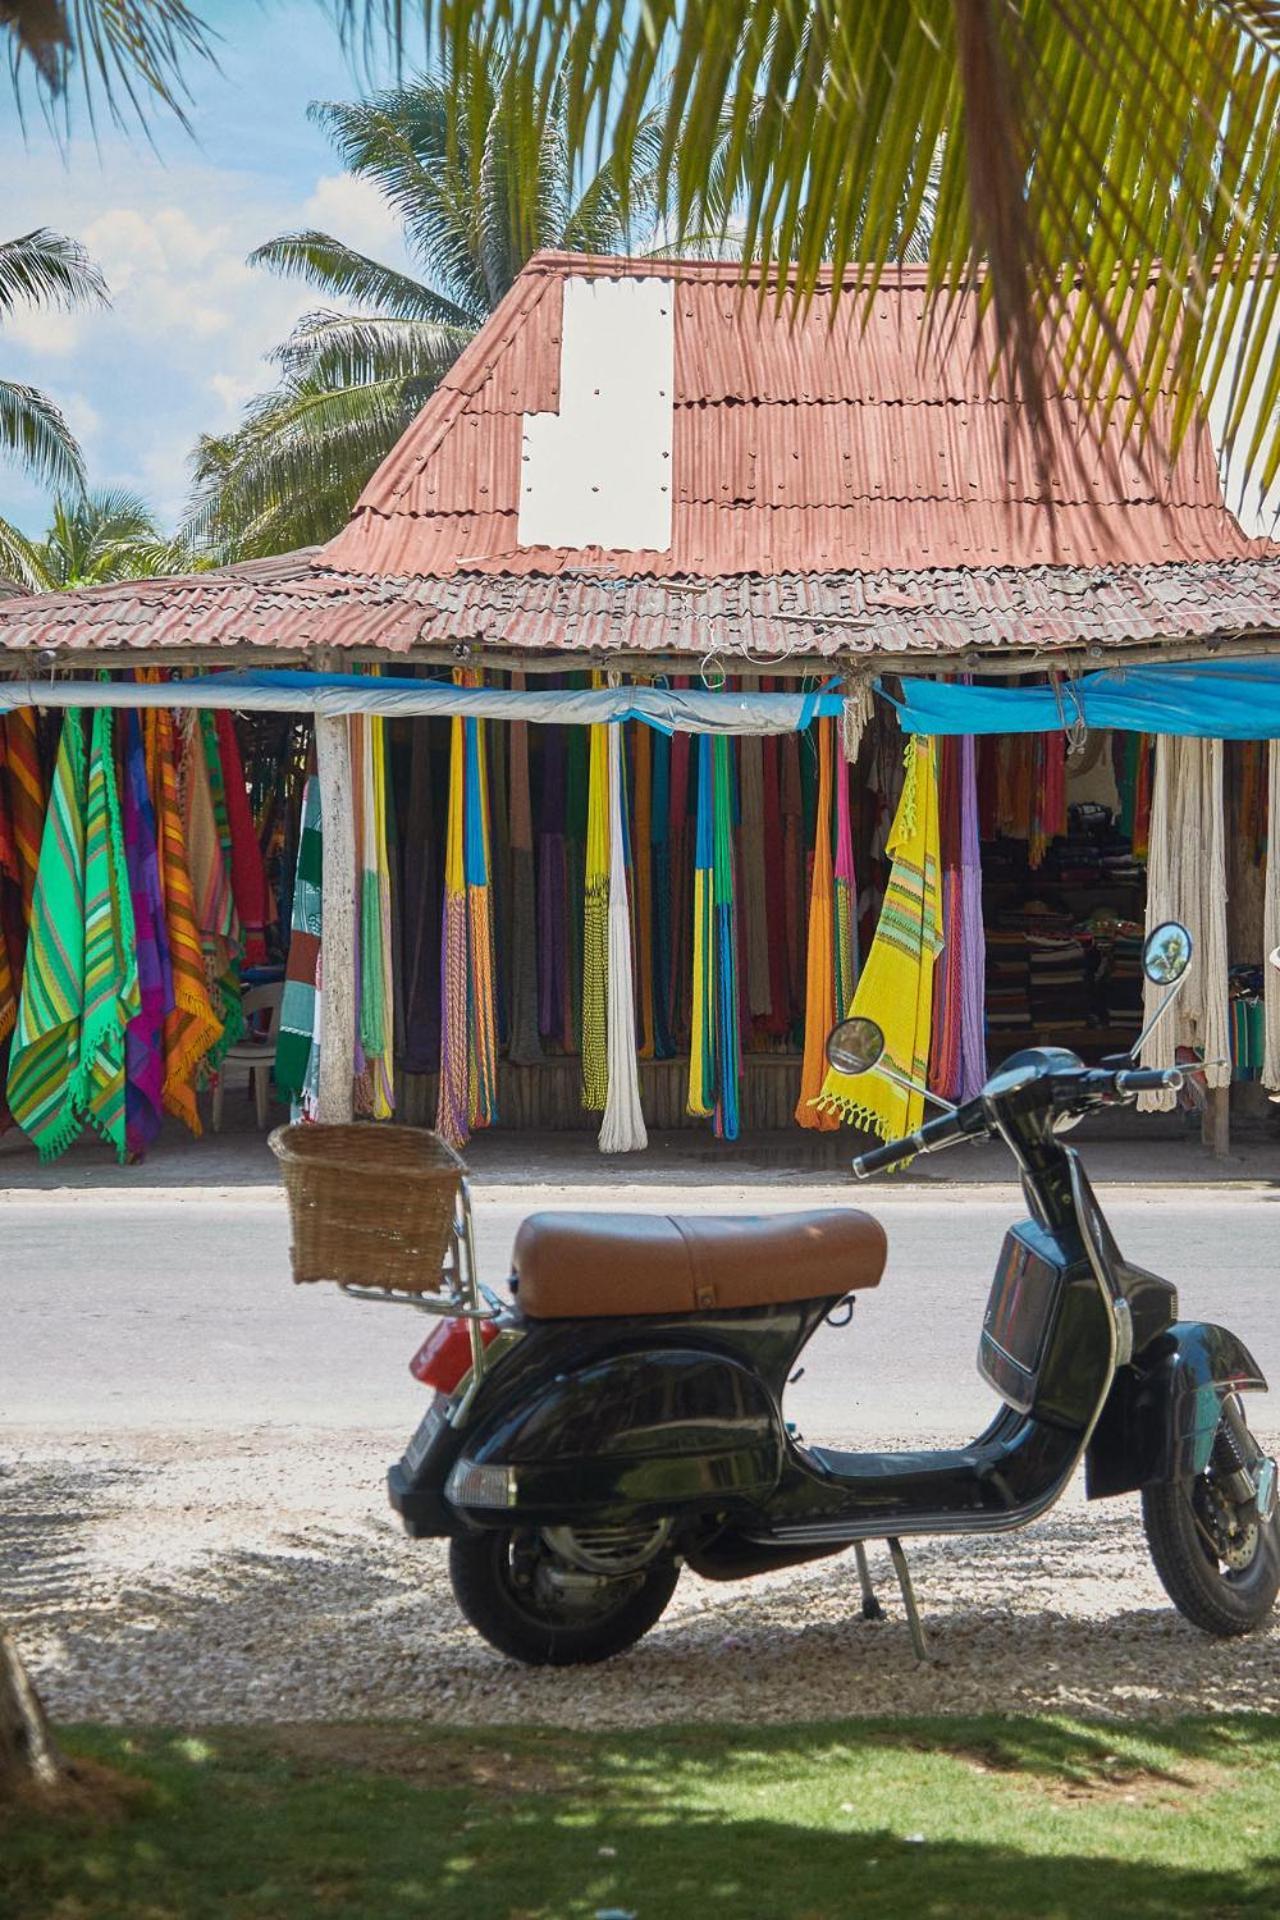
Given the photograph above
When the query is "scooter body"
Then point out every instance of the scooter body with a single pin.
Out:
(621, 1421)
(584, 1456)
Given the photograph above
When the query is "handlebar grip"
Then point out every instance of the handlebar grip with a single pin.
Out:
(887, 1156)
(1149, 1080)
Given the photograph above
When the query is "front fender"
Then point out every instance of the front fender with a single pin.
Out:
(643, 1432)
(1164, 1408)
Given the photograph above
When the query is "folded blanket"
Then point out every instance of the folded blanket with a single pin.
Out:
(46, 1043)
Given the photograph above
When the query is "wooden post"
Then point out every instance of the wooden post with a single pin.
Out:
(338, 935)
(1215, 1122)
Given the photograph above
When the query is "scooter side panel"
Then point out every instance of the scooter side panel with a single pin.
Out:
(1164, 1409)
(665, 1428)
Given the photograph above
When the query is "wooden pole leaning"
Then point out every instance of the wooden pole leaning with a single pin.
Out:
(338, 939)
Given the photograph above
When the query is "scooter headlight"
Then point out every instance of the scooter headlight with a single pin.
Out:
(474, 1484)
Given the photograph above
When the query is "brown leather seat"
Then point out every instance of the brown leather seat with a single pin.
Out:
(587, 1265)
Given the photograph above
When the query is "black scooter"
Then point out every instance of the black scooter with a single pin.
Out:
(624, 1417)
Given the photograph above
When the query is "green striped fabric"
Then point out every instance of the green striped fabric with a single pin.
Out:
(111, 996)
(46, 1042)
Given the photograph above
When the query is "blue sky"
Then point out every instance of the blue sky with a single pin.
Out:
(182, 347)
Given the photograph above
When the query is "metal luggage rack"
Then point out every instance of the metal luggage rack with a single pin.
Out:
(462, 1296)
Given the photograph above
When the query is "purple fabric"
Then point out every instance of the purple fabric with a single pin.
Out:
(144, 1035)
(973, 940)
(553, 893)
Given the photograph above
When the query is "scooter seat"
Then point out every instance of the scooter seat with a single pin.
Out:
(570, 1266)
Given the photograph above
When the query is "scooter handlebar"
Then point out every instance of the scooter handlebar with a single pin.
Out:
(1149, 1080)
(942, 1132)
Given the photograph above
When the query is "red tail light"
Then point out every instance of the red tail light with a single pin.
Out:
(445, 1355)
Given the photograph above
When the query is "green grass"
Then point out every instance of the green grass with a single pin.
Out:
(1044, 1819)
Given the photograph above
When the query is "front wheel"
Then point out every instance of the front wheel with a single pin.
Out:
(530, 1603)
(1218, 1559)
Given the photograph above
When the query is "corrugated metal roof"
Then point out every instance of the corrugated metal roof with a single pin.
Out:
(293, 606)
(853, 433)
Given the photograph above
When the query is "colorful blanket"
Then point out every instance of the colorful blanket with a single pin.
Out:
(820, 980)
(46, 1044)
(144, 1037)
(896, 988)
(111, 997)
(191, 1028)
(297, 1071)
(252, 895)
(208, 845)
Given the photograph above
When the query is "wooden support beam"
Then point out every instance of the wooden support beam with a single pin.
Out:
(1215, 1123)
(338, 936)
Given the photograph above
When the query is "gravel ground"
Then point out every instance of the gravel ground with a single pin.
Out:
(189, 1578)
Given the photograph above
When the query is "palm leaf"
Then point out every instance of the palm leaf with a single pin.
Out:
(34, 432)
(46, 268)
(1111, 172)
(127, 54)
(20, 560)
(344, 350)
(337, 269)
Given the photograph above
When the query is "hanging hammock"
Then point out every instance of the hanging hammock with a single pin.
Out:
(595, 929)
(192, 1030)
(715, 1044)
(820, 1000)
(623, 1128)
(896, 987)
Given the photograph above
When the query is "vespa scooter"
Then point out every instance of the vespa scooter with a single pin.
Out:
(622, 1417)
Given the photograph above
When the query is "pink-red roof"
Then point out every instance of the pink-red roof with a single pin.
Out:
(815, 441)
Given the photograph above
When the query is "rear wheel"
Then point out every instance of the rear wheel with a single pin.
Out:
(1218, 1558)
(529, 1600)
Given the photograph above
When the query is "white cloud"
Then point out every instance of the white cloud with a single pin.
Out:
(44, 330)
(353, 210)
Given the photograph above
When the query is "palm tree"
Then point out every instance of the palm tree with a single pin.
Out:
(109, 534)
(480, 181)
(1090, 154)
(40, 268)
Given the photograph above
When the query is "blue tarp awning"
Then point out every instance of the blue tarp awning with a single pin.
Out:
(1208, 699)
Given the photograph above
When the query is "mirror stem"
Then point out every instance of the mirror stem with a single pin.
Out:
(910, 1086)
(1135, 1050)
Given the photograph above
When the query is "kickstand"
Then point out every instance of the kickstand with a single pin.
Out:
(871, 1608)
(903, 1572)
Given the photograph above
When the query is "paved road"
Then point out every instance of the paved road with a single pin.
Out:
(164, 1309)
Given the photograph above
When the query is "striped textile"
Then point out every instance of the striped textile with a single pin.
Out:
(295, 1070)
(896, 988)
(821, 967)
(254, 906)
(482, 1002)
(46, 1044)
(208, 843)
(452, 1101)
(191, 1030)
(26, 798)
(595, 931)
(715, 1039)
(144, 1040)
(111, 997)
(376, 1010)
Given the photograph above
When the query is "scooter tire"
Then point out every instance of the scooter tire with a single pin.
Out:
(1223, 1603)
(490, 1601)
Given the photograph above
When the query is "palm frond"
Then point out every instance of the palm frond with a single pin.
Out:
(344, 350)
(34, 433)
(335, 268)
(290, 475)
(1111, 173)
(46, 268)
(128, 55)
(20, 560)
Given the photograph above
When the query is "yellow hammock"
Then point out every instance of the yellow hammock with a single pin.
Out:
(896, 988)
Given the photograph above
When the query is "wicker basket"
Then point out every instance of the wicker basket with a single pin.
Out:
(370, 1206)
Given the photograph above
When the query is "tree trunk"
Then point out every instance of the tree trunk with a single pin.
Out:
(29, 1760)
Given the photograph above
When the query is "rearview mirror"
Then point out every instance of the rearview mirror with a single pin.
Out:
(856, 1045)
(1274, 957)
(1166, 953)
